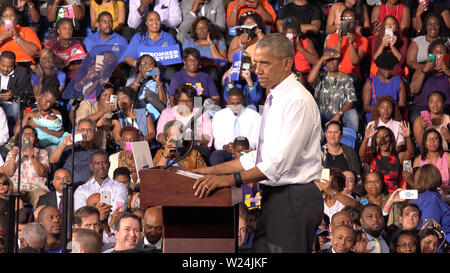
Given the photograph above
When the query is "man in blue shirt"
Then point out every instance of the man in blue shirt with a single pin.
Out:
(104, 35)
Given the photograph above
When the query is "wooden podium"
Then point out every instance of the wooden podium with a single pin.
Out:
(191, 224)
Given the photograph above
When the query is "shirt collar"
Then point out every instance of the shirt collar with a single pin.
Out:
(9, 75)
(157, 245)
(381, 123)
(370, 237)
(106, 181)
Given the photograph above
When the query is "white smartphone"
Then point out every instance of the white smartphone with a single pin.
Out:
(113, 99)
(246, 66)
(99, 62)
(388, 32)
(80, 138)
(409, 194)
(407, 165)
(105, 197)
(325, 174)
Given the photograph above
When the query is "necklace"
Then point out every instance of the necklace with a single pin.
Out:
(124, 159)
(333, 86)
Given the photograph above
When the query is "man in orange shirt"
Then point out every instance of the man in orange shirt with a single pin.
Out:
(237, 7)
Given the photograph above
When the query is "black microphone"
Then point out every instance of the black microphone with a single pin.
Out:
(207, 105)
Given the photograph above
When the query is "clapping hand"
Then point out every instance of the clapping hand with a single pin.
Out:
(370, 131)
(404, 129)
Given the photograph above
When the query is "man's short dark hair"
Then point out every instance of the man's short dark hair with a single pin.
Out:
(89, 240)
(370, 205)
(235, 92)
(8, 55)
(190, 51)
(126, 215)
(410, 205)
(122, 171)
(100, 152)
(241, 141)
(103, 13)
(25, 216)
(84, 212)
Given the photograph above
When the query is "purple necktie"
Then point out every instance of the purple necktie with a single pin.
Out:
(60, 207)
(267, 105)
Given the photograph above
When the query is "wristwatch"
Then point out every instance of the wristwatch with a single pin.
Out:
(237, 179)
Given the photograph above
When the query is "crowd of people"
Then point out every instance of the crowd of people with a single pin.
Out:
(84, 79)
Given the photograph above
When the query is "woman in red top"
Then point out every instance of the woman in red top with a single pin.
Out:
(305, 52)
(391, 7)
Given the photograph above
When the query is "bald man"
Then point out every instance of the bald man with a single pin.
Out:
(342, 240)
(153, 224)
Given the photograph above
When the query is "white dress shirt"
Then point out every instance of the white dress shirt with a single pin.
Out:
(223, 127)
(170, 14)
(119, 193)
(5, 80)
(158, 244)
(291, 150)
(4, 131)
(58, 199)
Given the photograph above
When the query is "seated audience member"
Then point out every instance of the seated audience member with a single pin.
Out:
(342, 240)
(34, 167)
(28, 13)
(375, 190)
(383, 84)
(305, 52)
(101, 113)
(398, 10)
(334, 15)
(308, 15)
(127, 229)
(55, 198)
(383, 155)
(4, 130)
(21, 40)
(83, 151)
(338, 155)
(405, 241)
(16, 81)
(150, 89)
(213, 10)
(34, 238)
(427, 180)
(351, 47)
(386, 113)
(86, 241)
(417, 54)
(430, 78)
(389, 38)
(410, 216)
(48, 122)
(436, 118)
(50, 219)
(114, 7)
(87, 217)
(432, 152)
(428, 240)
(123, 175)
(169, 11)
(361, 244)
(243, 235)
(232, 122)
(202, 82)
(125, 157)
(166, 155)
(6, 188)
(56, 12)
(101, 182)
(237, 8)
(427, 7)
(69, 49)
(105, 35)
(372, 224)
(105, 210)
(334, 200)
(149, 35)
(247, 82)
(131, 114)
(46, 67)
(246, 42)
(351, 180)
(334, 91)
(153, 225)
(183, 110)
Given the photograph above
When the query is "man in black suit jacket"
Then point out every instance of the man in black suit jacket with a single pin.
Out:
(54, 198)
(14, 81)
(342, 240)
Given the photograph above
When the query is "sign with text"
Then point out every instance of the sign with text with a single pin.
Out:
(163, 55)
(236, 68)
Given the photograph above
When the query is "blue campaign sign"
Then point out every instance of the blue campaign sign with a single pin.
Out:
(236, 68)
(163, 55)
(94, 72)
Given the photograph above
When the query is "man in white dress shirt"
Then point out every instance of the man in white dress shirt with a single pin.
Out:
(232, 122)
(101, 182)
(287, 160)
(168, 10)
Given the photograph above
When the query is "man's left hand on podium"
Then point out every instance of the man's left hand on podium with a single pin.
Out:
(204, 186)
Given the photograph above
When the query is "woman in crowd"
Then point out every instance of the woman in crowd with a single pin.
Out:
(383, 154)
(338, 155)
(23, 41)
(392, 7)
(28, 13)
(6, 187)
(389, 38)
(131, 115)
(432, 152)
(334, 15)
(101, 113)
(243, 41)
(428, 240)
(375, 190)
(125, 157)
(115, 7)
(34, 166)
(173, 133)
(405, 241)
(434, 118)
(46, 67)
(384, 83)
(334, 91)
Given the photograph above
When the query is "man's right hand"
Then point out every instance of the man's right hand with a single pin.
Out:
(105, 211)
(6, 96)
(195, 5)
(67, 140)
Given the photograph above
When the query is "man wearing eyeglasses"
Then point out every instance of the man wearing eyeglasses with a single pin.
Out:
(84, 148)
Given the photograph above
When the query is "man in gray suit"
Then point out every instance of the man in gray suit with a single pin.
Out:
(211, 9)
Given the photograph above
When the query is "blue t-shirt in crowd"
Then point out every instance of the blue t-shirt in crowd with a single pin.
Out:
(95, 39)
(203, 83)
(134, 47)
(61, 78)
(204, 51)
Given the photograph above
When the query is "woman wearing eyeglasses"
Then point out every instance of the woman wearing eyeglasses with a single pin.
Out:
(34, 166)
(6, 187)
(432, 152)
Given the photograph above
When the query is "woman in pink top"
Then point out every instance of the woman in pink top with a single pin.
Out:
(432, 152)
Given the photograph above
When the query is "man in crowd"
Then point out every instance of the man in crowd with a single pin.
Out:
(153, 224)
(127, 230)
(105, 34)
(372, 223)
(55, 198)
(50, 219)
(342, 240)
(34, 238)
(86, 241)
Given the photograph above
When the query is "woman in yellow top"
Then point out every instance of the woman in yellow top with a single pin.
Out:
(115, 7)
